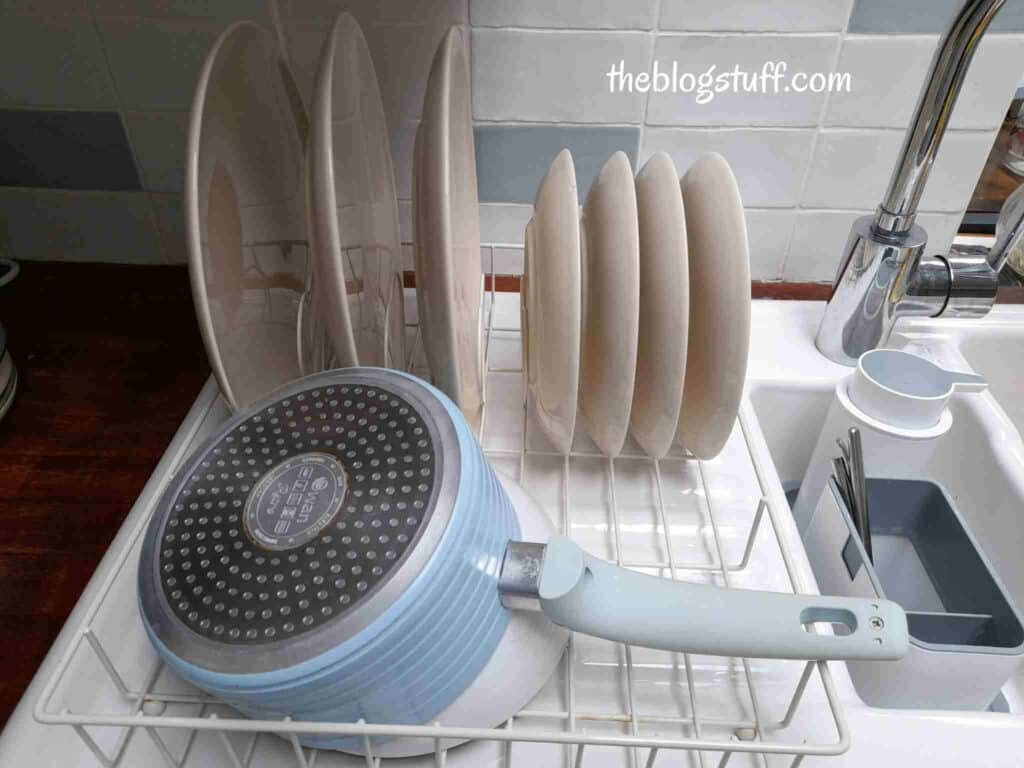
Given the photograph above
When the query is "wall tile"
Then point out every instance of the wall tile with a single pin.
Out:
(156, 62)
(555, 76)
(504, 223)
(511, 160)
(696, 54)
(43, 224)
(52, 62)
(170, 220)
(922, 17)
(403, 142)
(768, 234)
(888, 74)
(851, 169)
(210, 9)
(769, 163)
(405, 221)
(819, 238)
(379, 11)
(160, 140)
(755, 15)
(575, 14)
(508, 261)
(65, 150)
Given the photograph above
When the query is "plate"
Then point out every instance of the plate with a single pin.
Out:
(551, 297)
(449, 276)
(719, 334)
(355, 292)
(611, 304)
(664, 307)
(245, 215)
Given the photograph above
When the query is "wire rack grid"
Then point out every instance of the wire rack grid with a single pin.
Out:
(608, 704)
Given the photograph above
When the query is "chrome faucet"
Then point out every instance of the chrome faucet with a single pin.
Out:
(884, 273)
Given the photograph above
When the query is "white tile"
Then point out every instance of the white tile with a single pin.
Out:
(555, 76)
(156, 62)
(159, 140)
(508, 261)
(768, 233)
(887, 74)
(851, 169)
(575, 14)
(379, 11)
(769, 163)
(710, 58)
(405, 221)
(403, 141)
(755, 15)
(223, 9)
(819, 238)
(52, 62)
(56, 225)
(504, 223)
(402, 55)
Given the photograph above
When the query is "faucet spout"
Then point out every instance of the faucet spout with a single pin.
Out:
(884, 273)
(934, 106)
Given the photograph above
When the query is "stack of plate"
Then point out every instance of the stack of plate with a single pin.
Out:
(638, 312)
(292, 223)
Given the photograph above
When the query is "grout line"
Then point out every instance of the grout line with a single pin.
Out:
(650, 68)
(822, 114)
(655, 28)
(154, 218)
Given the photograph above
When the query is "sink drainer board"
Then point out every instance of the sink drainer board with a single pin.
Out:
(607, 705)
(966, 635)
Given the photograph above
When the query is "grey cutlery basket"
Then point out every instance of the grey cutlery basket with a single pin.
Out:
(966, 637)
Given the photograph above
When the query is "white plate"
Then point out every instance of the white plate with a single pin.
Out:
(664, 307)
(449, 278)
(719, 337)
(356, 291)
(245, 215)
(611, 304)
(551, 296)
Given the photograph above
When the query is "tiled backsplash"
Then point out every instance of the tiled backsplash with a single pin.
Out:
(114, 78)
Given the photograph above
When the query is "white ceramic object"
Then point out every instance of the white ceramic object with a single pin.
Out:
(449, 277)
(551, 297)
(245, 216)
(906, 391)
(664, 307)
(353, 215)
(611, 304)
(719, 331)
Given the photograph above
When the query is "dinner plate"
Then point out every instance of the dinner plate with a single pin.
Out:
(245, 215)
(355, 292)
(719, 331)
(611, 304)
(664, 307)
(551, 296)
(449, 277)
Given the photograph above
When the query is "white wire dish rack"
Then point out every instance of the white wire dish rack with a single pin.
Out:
(608, 704)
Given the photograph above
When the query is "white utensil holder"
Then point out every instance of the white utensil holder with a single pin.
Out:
(966, 638)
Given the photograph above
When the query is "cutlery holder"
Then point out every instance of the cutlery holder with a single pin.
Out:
(966, 637)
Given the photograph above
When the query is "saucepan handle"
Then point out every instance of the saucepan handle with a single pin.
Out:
(589, 595)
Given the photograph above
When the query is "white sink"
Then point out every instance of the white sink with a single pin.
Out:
(979, 463)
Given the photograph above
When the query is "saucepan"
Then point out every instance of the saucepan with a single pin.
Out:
(344, 551)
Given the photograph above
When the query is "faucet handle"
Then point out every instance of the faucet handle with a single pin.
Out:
(974, 269)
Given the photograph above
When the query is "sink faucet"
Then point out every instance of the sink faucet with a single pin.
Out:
(884, 273)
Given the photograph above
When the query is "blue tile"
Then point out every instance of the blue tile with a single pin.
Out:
(61, 225)
(65, 150)
(908, 17)
(511, 160)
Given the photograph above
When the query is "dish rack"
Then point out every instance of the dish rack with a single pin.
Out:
(607, 705)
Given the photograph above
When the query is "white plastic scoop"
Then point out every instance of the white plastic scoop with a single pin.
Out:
(905, 390)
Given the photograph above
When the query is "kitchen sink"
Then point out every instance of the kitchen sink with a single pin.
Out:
(979, 464)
